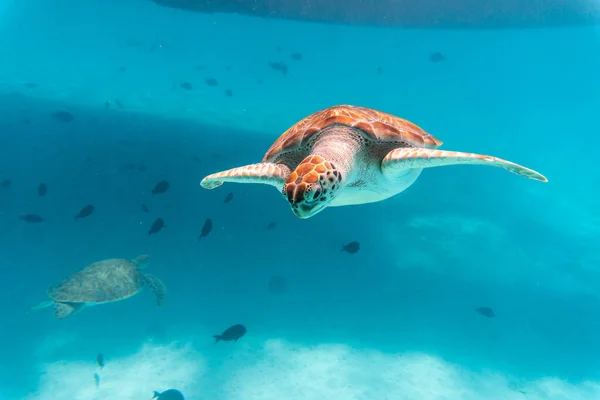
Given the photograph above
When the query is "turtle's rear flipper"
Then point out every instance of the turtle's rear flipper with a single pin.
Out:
(158, 287)
(63, 310)
(266, 173)
(43, 304)
(398, 160)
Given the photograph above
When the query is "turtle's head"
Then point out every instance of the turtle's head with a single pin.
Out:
(311, 186)
(141, 261)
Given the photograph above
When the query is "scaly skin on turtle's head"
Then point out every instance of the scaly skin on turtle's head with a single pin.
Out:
(141, 261)
(311, 186)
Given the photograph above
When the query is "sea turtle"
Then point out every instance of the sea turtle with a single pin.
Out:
(346, 155)
(102, 282)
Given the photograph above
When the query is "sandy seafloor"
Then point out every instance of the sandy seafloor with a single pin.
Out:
(395, 321)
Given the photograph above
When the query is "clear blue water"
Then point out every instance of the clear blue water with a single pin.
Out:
(394, 321)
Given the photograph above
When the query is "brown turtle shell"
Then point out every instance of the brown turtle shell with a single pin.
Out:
(375, 125)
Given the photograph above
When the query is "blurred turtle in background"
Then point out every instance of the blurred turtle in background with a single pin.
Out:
(102, 282)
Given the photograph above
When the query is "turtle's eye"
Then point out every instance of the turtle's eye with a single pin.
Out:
(313, 193)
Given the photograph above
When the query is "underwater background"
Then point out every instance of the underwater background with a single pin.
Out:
(101, 100)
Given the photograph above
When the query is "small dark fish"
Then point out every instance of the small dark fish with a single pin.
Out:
(352, 247)
(63, 116)
(142, 168)
(379, 70)
(186, 86)
(271, 225)
(156, 226)
(42, 189)
(200, 67)
(122, 69)
(206, 228)
(161, 187)
(259, 81)
(144, 208)
(6, 184)
(229, 93)
(33, 218)
(118, 103)
(436, 57)
(279, 49)
(85, 211)
(233, 333)
(228, 198)
(171, 394)
(278, 66)
(107, 104)
(228, 68)
(211, 81)
(100, 360)
(31, 85)
(97, 379)
(296, 56)
(277, 284)
(486, 312)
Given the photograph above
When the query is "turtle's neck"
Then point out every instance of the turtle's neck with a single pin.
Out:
(338, 144)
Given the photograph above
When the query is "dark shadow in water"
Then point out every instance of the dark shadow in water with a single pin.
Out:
(493, 14)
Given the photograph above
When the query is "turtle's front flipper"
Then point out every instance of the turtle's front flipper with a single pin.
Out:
(158, 287)
(267, 173)
(398, 160)
(63, 310)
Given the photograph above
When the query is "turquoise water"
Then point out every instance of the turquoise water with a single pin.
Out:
(394, 321)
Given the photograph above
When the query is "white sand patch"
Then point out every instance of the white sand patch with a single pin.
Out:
(129, 378)
(339, 372)
(280, 370)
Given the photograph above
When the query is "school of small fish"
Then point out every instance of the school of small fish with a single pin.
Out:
(277, 285)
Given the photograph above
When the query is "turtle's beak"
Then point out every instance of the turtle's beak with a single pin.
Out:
(300, 213)
(304, 211)
(296, 195)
